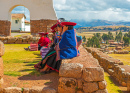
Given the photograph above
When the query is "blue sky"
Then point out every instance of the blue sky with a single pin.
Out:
(111, 10)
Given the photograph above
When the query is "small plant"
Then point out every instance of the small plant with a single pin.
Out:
(22, 89)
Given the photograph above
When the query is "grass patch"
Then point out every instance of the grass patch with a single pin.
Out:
(22, 34)
(111, 87)
(19, 62)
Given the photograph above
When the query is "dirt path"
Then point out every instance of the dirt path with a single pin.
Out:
(46, 80)
(15, 34)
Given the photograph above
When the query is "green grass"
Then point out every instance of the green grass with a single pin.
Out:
(111, 87)
(19, 62)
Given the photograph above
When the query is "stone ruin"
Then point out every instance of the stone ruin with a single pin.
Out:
(114, 67)
(24, 39)
(81, 74)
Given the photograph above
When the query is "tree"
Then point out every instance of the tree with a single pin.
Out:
(119, 37)
(93, 42)
(105, 37)
(84, 39)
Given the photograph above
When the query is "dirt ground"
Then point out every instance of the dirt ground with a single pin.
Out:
(45, 80)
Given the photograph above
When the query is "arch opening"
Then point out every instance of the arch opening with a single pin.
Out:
(19, 16)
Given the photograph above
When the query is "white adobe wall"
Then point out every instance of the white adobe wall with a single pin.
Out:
(23, 24)
(39, 9)
(15, 26)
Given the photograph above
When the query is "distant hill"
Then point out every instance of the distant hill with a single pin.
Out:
(94, 23)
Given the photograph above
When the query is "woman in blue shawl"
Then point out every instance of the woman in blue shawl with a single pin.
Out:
(65, 49)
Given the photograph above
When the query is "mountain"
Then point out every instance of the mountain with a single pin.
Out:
(93, 23)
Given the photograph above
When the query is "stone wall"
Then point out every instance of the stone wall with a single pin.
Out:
(5, 27)
(81, 74)
(41, 26)
(1, 63)
(24, 39)
(113, 66)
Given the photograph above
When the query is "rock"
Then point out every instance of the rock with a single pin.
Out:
(80, 83)
(123, 84)
(102, 84)
(36, 89)
(71, 70)
(2, 49)
(12, 90)
(102, 91)
(1, 67)
(48, 90)
(1, 90)
(93, 74)
(67, 85)
(128, 86)
(90, 87)
(26, 90)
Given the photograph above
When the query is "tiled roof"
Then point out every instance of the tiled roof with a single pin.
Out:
(18, 16)
(27, 21)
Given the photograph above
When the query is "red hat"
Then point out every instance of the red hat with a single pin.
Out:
(54, 26)
(45, 33)
(58, 22)
(52, 30)
(41, 33)
(68, 23)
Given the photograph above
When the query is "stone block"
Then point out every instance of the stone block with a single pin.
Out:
(102, 91)
(67, 85)
(93, 74)
(48, 90)
(90, 87)
(128, 86)
(1, 67)
(26, 90)
(12, 90)
(102, 84)
(36, 89)
(80, 83)
(2, 49)
(1, 90)
(71, 70)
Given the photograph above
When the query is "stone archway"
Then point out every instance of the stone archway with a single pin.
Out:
(42, 15)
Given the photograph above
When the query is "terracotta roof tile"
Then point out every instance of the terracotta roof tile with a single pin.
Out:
(18, 16)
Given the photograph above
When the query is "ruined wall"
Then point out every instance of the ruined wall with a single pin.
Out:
(5, 27)
(113, 66)
(41, 26)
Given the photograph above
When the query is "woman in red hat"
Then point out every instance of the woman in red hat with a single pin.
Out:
(40, 40)
(65, 49)
(46, 40)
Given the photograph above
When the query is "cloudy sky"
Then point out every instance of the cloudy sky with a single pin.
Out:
(111, 10)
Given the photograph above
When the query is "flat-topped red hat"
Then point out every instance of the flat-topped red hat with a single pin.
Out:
(45, 33)
(54, 26)
(58, 22)
(41, 33)
(68, 23)
(52, 30)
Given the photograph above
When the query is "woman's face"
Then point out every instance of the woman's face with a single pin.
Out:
(65, 28)
(60, 29)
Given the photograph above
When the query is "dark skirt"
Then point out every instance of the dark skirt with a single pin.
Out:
(50, 61)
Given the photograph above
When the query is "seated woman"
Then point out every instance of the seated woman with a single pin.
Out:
(40, 40)
(46, 41)
(65, 49)
(59, 28)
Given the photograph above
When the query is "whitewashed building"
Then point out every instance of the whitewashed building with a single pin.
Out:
(18, 23)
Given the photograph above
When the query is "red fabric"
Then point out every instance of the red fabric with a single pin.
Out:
(68, 23)
(41, 40)
(45, 42)
(54, 26)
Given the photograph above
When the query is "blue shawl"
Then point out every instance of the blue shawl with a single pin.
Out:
(67, 47)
